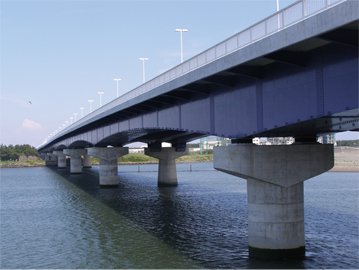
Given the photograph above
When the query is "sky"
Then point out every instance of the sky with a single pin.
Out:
(57, 54)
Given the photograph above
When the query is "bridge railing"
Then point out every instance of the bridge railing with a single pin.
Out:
(290, 15)
(278, 21)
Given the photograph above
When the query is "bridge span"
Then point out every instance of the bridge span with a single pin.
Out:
(293, 74)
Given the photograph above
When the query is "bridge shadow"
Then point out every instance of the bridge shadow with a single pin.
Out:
(207, 225)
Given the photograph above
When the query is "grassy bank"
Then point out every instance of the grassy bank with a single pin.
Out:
(143, 159)
(22, 164)
(346, 160)
(128, 159)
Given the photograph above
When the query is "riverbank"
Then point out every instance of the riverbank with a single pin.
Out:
(129, 159)
(143, 159)
(346, 160)
(22, 163)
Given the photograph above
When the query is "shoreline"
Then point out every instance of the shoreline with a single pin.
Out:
(346, 159)
(18, 166)
(339, 168)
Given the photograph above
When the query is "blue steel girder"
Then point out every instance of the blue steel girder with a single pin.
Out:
(302, 90)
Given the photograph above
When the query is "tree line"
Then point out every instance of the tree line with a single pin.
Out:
(13, 152)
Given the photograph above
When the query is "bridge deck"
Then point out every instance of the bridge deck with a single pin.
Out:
(194, 98)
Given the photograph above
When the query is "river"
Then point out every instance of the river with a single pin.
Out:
(51, 219)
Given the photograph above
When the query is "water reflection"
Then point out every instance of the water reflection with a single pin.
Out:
(189, 218)
(51, 219)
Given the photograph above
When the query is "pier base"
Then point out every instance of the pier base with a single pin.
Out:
(275, 220)
(167, 173)
(86, 161)
(275, 176)
(61, 159)
(50, 159)
(75, 159)
(108, 163)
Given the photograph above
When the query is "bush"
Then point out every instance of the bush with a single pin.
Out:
(137, 158)
(13, 152)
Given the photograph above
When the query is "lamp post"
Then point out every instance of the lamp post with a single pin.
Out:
(278, 14)
(181, 30)
(143, 59)
(100, 93)
(82, 111)
(117, 80)
(90, 101)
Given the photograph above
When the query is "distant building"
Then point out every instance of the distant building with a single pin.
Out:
(328, 138)
(207, 144)
(273, 140)
(260, 141)
(138, 150)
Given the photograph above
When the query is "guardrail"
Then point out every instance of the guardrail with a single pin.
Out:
(278, 21)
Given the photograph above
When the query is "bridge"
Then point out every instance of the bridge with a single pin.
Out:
(294, 74)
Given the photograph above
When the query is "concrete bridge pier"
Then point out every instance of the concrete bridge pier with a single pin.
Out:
(61, 159)
(167, 173)
(86, 161)
(75, 159)
(275, 176)
(108, 163)
(50, 159)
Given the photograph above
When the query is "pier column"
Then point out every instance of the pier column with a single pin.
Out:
(167, 173)
(275, 176)
(86, 161)
(50, 159)
(75, 159)
(61, 159)
(108, 163)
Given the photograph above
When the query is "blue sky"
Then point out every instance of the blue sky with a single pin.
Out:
(58, 54)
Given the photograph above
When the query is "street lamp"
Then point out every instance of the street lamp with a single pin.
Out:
(117, 80)
(82, 111)
(143, 59)
(90, 101)
(278, 14)
(181, 30)
(100, 93)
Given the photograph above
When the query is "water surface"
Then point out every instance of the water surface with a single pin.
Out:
(51, 219)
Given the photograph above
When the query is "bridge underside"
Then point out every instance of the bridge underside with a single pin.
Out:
(339, 122)
(149, 136)
(302, 90)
